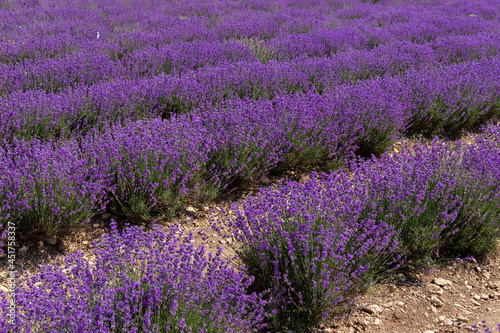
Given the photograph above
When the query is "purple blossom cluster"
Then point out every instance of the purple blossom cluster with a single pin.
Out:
(138, 282)
(485, 327)
(309, 246)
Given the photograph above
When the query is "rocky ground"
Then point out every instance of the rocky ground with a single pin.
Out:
(450, 299)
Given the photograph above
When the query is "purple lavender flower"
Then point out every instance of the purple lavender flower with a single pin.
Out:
(139, 281)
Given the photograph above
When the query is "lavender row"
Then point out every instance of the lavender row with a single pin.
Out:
(81, 70)
(140, 166)
(37, 114)
(160, 26)
(90, 67)
(313, 244)
(330, 41)
(161, 283)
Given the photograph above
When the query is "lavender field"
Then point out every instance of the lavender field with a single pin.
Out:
(137, 108)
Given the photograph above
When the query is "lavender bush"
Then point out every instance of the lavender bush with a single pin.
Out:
(440, 197)
(307, 245)
(139, 282)
(46, 187)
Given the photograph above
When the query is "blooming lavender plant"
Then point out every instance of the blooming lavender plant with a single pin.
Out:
(307, 245)
(139, 282)
(440, 197)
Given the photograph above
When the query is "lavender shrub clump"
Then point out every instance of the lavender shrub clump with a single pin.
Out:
(441, 197)
(47, 186)
(308, 245)
(139, 282)
(136, 109)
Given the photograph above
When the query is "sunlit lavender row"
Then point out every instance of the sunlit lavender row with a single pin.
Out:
(38, 114)
(307, 247)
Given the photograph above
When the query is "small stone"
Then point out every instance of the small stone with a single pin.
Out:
(476, 297)
(399, 314)
(206, 208)
(377, 322)
(442, 282)
(85, 243)
(495, 285)
(361, 322)
(96, 225)
(485, 297)
(429, 331)
(437, 301)
(23, 249)
(445, 320)
(327, 330)
(105, 216)
(265, 180)
(435, 289)
(222, 241)
(476, 303)
(371, 309)
(461, 317)
(478, 269)
(190, 210)
(486, 275)
(3, 255)
(388, 304)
